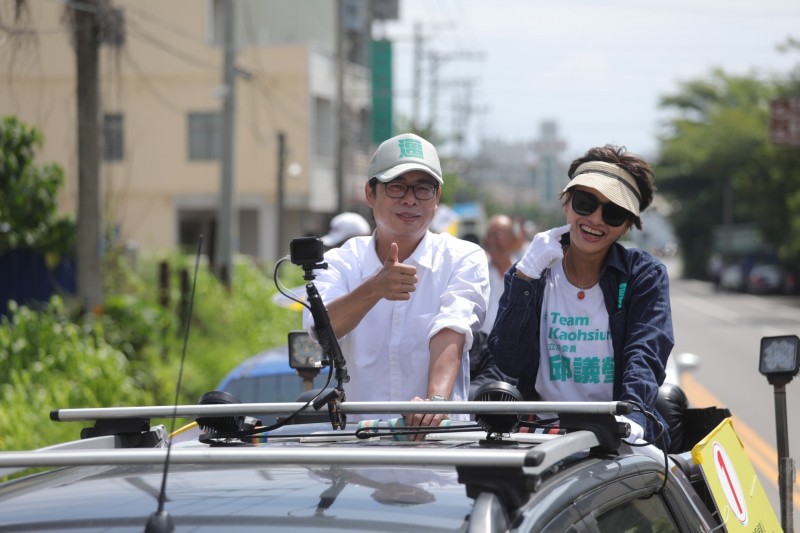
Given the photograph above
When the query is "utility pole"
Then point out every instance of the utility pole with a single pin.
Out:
(340, 137)
(417, 76)
(86, 32)
(226, 228)
(436, 60)
(281, 192)
(463, 110)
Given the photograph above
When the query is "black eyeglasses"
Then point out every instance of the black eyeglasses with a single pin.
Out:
(422, 191)
(585, 203)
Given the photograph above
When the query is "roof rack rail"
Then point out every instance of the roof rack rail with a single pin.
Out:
(451, 456)
(151, 438)
(465, 407)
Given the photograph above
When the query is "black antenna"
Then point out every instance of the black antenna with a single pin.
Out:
(160, 521)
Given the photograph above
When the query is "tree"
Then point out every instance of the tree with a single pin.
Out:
(788, 175)
(28, 205)
(716, 162)
(92, 23)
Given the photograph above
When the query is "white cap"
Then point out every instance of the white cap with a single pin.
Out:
(402, 154)
(344, 226)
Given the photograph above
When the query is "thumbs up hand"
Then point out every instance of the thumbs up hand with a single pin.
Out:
(395, 281)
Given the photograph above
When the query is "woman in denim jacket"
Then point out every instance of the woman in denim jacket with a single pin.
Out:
(582, 318)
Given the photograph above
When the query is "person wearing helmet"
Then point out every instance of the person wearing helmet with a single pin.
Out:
(345, 226)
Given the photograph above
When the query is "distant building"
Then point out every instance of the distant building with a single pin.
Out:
(521, 174)
(503, 171)
(551, 172)
(161, 111)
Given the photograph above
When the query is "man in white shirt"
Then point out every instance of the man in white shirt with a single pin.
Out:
(404, 302)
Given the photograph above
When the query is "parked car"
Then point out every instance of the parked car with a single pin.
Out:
(732, 278)
(310, 478)
(267, 377)
(769, 279)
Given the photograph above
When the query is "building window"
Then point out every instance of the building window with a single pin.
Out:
(204, 136)
(113, 139)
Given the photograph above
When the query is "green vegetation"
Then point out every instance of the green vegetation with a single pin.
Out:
(718, 167)
(130, 354)
(28, 203)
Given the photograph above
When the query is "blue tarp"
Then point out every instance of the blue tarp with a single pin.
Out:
(26, 278)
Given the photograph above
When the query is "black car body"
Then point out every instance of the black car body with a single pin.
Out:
(308, 477)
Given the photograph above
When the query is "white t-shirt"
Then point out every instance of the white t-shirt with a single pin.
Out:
(577, 356)
(387, 354)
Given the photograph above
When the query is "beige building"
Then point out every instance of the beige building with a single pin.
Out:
(161, 108)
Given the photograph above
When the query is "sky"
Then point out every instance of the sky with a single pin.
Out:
(598, 68)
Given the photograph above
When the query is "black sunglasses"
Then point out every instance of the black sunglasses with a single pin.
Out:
(585, 203)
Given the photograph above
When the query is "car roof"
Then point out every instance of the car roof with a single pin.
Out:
(382, 495)
(308, 477)
(207, 497)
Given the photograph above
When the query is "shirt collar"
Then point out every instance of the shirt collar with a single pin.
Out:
(422, 255)
(616, 258)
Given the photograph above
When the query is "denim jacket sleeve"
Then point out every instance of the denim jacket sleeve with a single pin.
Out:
(643, 335)
(514, 340)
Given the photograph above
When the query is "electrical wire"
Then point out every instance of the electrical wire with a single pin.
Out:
(659, 436)
(369, 432)
(282, 288)
(154, 20)
(163, 46)
(260, 431)
(184, 429)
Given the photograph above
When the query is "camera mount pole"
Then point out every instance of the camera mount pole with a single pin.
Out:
(330, 347)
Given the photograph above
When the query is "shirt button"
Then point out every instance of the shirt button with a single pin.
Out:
(527, 293)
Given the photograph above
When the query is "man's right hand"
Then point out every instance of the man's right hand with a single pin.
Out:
(395, 281)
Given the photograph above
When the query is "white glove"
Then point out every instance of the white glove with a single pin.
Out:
(637, 431)
(544, 250)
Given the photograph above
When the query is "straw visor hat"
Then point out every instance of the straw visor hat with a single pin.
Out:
(614, 182)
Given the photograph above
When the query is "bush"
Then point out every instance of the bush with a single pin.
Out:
(131, 353)
(227, 327)
(49, 362)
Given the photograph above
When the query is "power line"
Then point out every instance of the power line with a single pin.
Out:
(150, 18)
(150, 85)
(168, 48)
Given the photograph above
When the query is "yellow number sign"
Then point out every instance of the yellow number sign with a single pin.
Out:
(739, 495)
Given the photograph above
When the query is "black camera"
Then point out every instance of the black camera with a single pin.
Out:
(306, 251)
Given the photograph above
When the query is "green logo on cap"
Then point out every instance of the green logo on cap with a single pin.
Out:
(410, 148)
